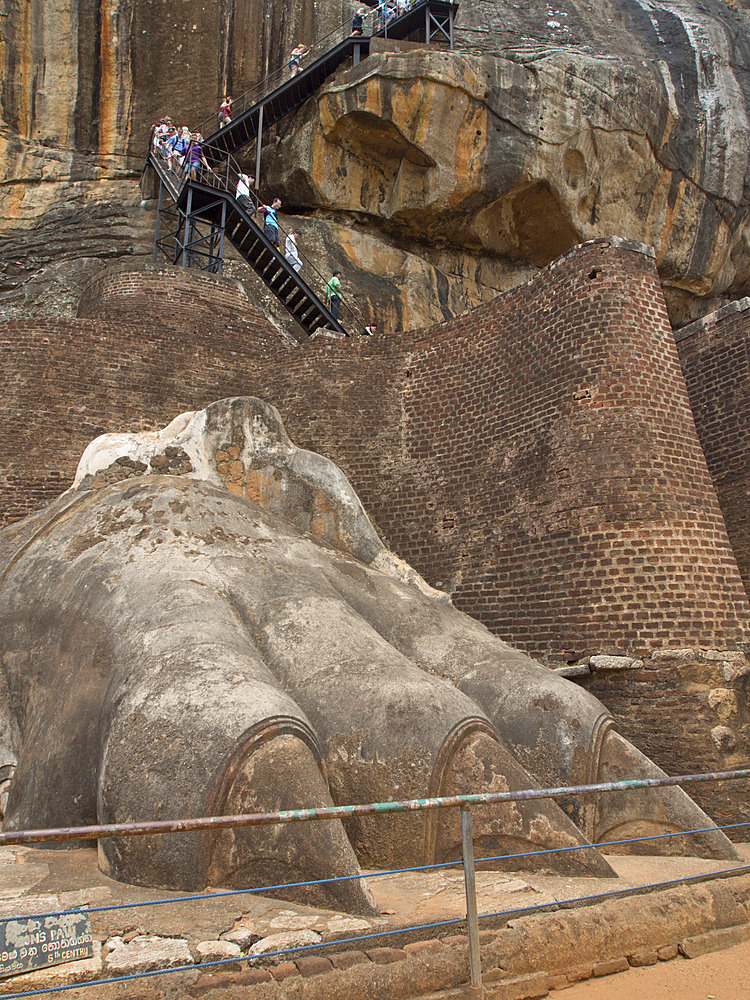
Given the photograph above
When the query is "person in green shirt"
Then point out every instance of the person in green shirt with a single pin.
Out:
(333, 294)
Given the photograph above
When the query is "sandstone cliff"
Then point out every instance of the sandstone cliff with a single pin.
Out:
(433, 179)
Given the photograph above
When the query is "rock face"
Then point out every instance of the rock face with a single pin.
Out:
(208, 624)
(548, 146)
(438, 178)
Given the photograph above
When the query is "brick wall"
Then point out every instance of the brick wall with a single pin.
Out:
(714, 357)
(537, 457)
(554, 476)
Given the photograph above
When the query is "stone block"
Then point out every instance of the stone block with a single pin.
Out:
(610, 967)
(243, 934)
(558, 982)
(667, 952)
(384, 956)
(284, 971)
(146, 954)
(423, 947)
(346, 959)
(519, 988)
(252, 976)
(348, 925)
(285, 941)
(716, 940)
(646, 956)
(671, 657)
(579, 973)
(724, 739)
(574, 670)
(219, 951)
(614, 663)
(724, 702)
(729, 655)
(313, 965)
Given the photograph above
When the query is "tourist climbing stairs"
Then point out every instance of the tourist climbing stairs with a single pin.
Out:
(279, 94)
(208, 211)
(207, 208)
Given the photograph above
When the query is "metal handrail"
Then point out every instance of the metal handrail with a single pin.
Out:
(10, 838)
(319, 48)
(225, 178)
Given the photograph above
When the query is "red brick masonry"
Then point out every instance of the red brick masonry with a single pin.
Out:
(536, 457)
(715, 361)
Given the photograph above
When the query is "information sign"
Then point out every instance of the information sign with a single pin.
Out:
(29, 943)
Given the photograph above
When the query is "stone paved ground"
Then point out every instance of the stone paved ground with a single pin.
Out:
(178, 933)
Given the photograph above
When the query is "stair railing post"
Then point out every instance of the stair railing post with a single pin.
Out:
(158, 218)
(257, 148)
(450, 26)
(476, 990)
(427, 35)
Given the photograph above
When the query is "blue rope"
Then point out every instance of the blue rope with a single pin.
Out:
(367, 875)
(608, 843)
(559, 904)
(555, 904)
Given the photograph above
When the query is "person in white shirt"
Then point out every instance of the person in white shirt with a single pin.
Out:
(290, 250)
(242, 191)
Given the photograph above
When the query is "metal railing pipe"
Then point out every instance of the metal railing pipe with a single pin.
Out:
(17, 837)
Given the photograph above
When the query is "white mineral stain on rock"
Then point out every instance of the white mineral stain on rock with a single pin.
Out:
(725, 154)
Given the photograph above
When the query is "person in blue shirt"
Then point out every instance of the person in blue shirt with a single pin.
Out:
(271, 227)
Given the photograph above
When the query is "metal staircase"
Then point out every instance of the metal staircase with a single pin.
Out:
(277, 95)
(205, 210)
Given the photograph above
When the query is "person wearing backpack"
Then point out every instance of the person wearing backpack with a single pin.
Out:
(176, 146)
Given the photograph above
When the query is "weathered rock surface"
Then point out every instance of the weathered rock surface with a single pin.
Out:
(145, 954)
(208, 624)
(548, 146)
(284, 941)
(437, 179)
(219, 951)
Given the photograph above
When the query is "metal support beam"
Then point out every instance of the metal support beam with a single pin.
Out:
(427, 24)
(442, 24)
(450, 27)
(186, 239)
(221, 236)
